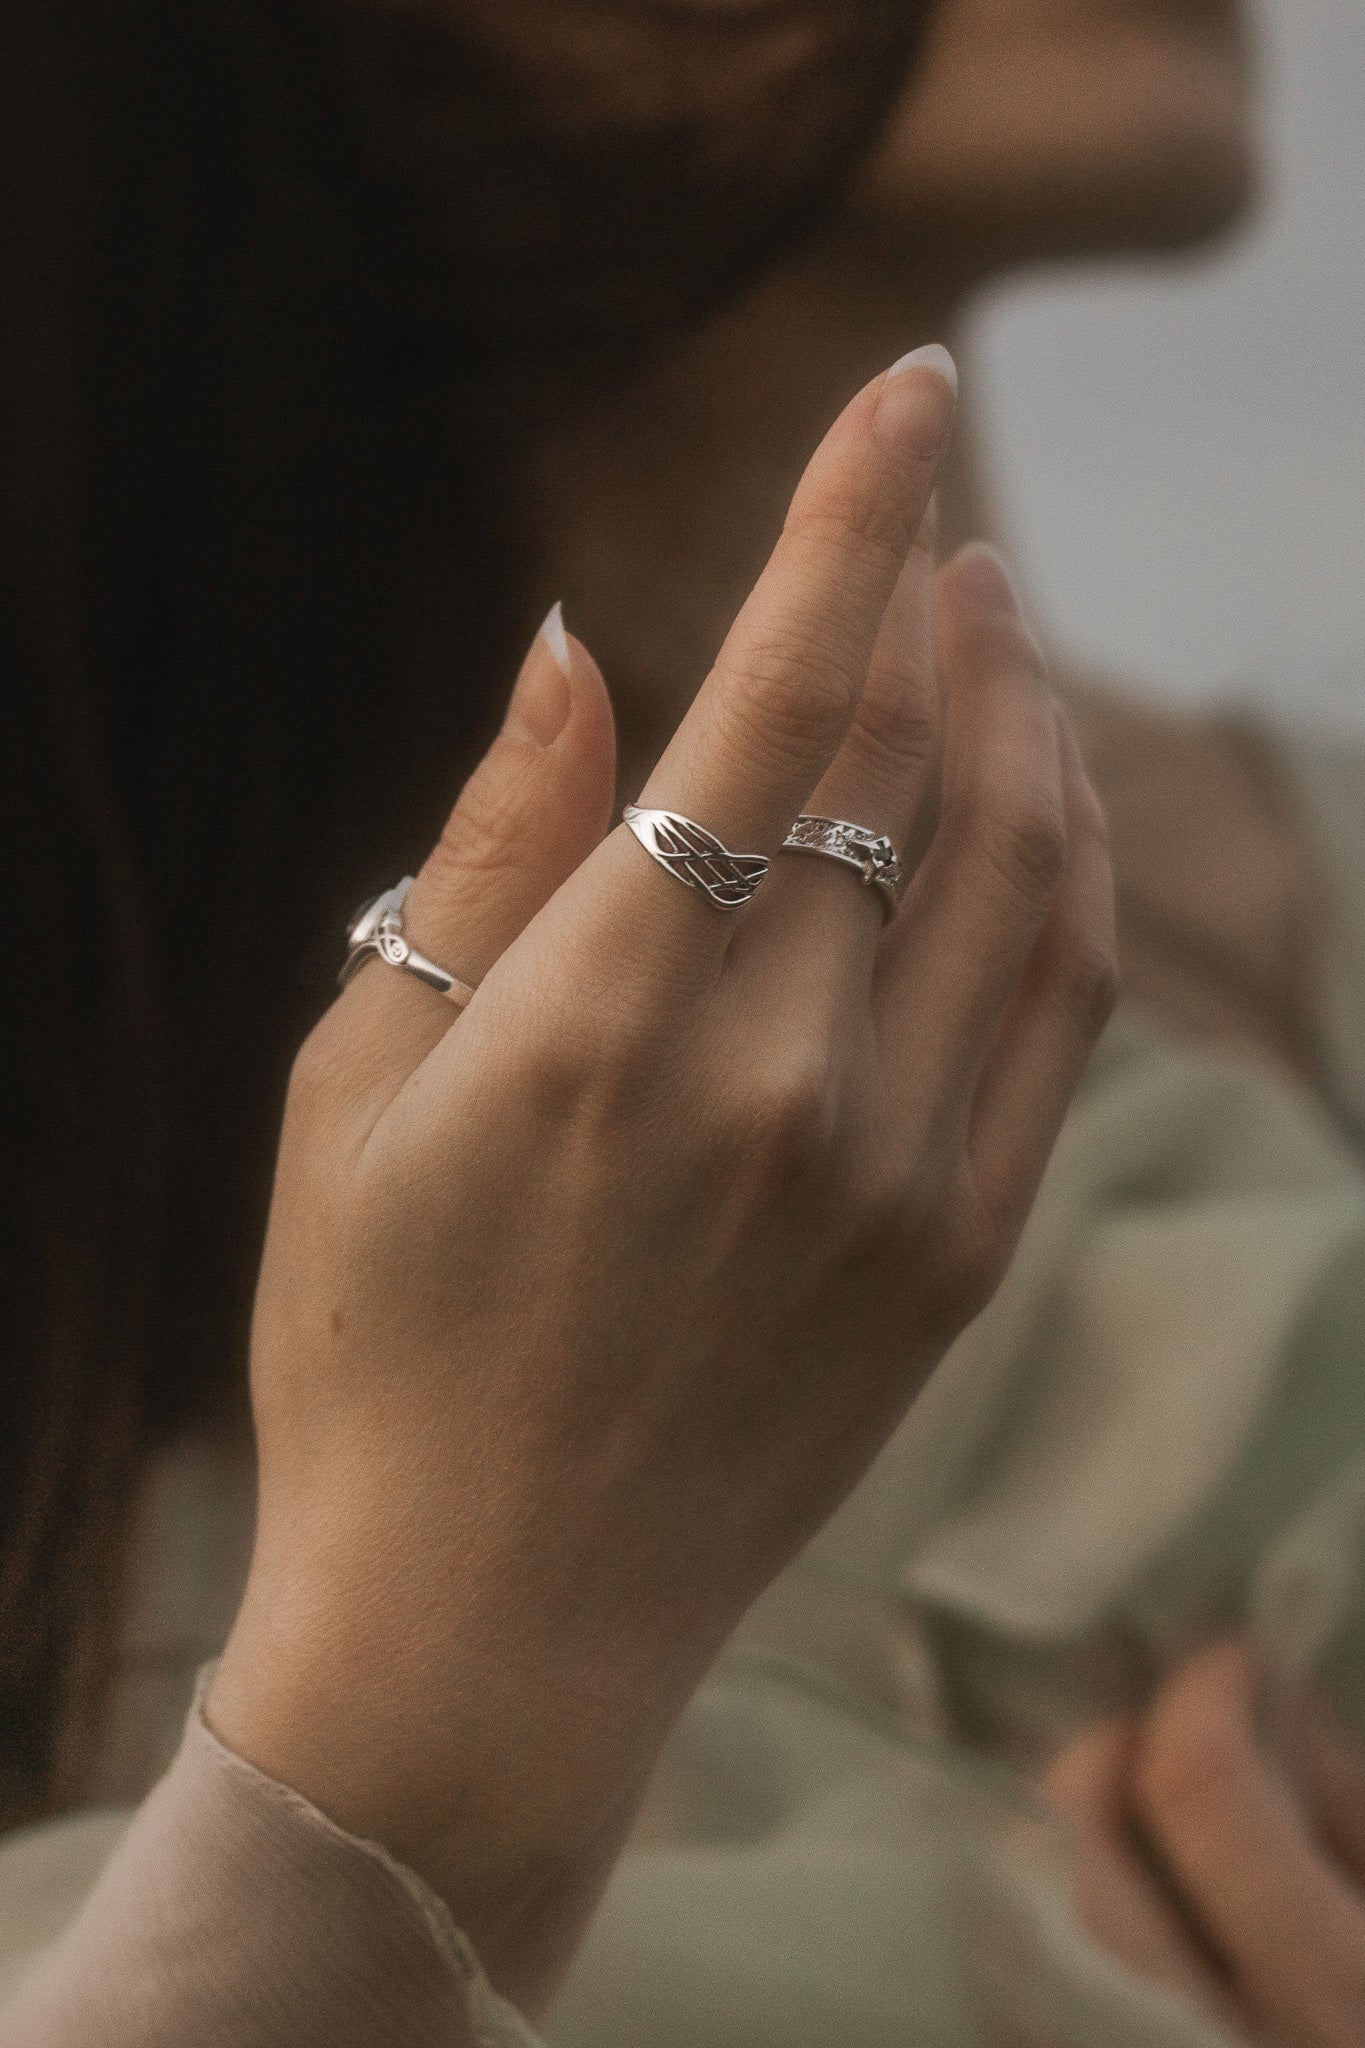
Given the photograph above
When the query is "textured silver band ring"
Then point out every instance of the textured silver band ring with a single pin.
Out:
(870, 853)
(376, 933)
(691, 854)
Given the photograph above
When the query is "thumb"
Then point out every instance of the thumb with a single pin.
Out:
(534, 808)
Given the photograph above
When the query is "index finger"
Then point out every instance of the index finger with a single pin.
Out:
(772, 714)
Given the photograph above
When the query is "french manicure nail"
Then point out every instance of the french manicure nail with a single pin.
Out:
(918, 412)
(556, 639)
(539, 705)
(932, 356)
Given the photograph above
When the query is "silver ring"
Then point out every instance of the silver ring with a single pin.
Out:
(871, 853)
(376, 933)
(691, 854)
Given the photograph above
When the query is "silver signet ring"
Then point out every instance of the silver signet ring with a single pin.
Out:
(376, 933)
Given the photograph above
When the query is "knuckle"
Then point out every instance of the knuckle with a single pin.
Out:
(790, 1122)
(325, 1102)
(621, 1079)
(315, 1073)
(1094, 819)
(885, 1201)
(606, 1056)
(480, 837)
(553, 1075)
(972, 1274)
(1089, 985)
(1023, 842)
(796, 690)
(898, 729)
(979, 1243)
(858, 518)
(580, 1063)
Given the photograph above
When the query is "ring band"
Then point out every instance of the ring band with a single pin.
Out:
(691, 854)
(870, 853)
(376, 933)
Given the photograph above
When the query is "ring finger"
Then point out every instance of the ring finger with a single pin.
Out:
(876, 781)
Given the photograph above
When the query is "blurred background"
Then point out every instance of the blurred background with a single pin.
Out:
(1200, 524)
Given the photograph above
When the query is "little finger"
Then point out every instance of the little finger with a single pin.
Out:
(999, 855)
(1048, 1032)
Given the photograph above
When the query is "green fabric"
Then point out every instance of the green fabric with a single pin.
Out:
(850, 1885)
(1157, 1429)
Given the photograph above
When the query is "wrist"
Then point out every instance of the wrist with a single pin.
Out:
(500, 1786)
(517, 1843)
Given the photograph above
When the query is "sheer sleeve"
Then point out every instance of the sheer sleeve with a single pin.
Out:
(232, 1913)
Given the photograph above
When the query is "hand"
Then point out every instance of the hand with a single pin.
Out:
(1221, 1869)
(580, 1312)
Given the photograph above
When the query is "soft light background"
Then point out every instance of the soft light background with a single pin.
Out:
(1180, 449)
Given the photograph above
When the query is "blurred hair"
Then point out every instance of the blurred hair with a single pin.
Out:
(281, 283)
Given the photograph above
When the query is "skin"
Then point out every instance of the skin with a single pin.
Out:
(683, 1208)
(1040, 129)
(1220, 1844)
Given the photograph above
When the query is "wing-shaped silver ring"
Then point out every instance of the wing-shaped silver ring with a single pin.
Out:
(695, 856)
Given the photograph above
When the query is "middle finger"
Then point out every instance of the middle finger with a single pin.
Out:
(787, 685)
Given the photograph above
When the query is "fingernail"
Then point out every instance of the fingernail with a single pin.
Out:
(919, 410)
(989, 583)
(556, 639)
(933, 356)
(539, 705)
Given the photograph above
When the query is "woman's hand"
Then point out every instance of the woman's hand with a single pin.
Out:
(1224, 1856)
(580, 1312)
